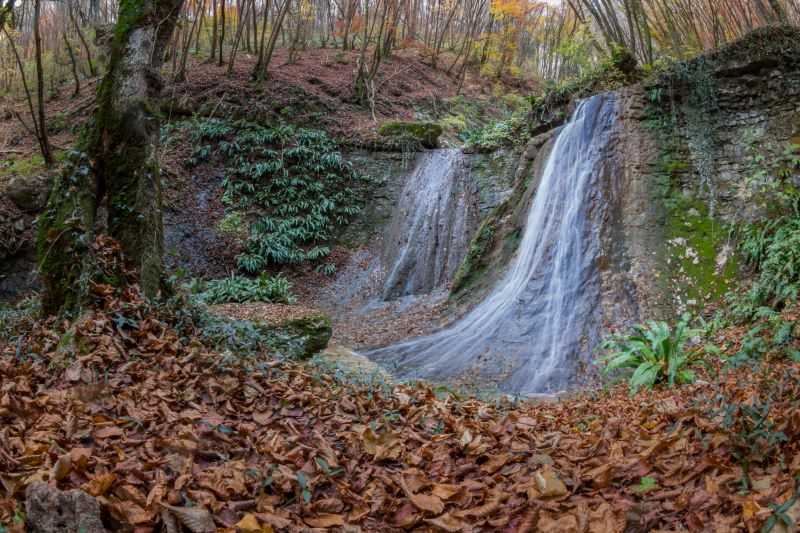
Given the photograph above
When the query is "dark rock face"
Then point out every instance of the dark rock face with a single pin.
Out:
(50, 510)
(17, 255)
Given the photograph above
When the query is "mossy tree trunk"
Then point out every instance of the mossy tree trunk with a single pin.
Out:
(117, 162)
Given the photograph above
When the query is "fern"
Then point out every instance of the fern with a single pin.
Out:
(296, 176)
(239, 289)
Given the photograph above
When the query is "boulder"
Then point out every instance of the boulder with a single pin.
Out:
(28, 194)
(301, 332)
(50, 510)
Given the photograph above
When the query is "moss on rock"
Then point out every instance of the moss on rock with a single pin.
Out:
(313, 331)
(425, 133)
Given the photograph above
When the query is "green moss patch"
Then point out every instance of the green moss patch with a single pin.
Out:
(425, 133)
(699, 264)
(313, 331)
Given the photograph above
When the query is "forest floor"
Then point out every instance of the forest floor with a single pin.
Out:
(160, 427)
(314, 90)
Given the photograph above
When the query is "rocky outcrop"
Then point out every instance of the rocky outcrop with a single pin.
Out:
(691, 151)
(696, 146)
(496, 239)
(425, 134)
(312, 331)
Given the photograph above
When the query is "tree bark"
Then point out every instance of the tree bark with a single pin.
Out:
(118, 148)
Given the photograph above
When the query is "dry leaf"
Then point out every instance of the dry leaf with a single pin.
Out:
(100, 484)
(549, 485)
(196, 519)
(426, 502)
(248, 524)
(325, 520)
(80, 457)
(448, 522)
(62, 467)
(106, 432)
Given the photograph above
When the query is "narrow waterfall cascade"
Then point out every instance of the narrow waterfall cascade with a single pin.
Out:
(431, 228)
(543, 315)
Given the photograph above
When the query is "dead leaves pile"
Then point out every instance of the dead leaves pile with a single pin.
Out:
(170, 436)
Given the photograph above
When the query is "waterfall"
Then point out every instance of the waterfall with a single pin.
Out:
(527, 333)
(431, 228)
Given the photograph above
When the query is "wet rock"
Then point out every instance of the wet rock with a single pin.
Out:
(27, 193)
(50, 510)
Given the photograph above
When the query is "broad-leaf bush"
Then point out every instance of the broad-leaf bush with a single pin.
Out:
(292, 182)
(240, 289)
(654, 353)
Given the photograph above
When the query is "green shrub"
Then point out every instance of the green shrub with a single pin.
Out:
(615, 71)
(511, 129)
(301, 186)
(653, 353)
(240, 289)
(492, 135)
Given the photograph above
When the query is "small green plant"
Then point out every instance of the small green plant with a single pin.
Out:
(780, 514)
(240, 289)
(646, 483)
(233, 222)
(654, 353)
(751, 425)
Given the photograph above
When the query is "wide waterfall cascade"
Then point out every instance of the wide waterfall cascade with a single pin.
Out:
(431, 228)
(529, 330)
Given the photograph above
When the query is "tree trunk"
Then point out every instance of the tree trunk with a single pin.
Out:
(74, 67)
(44, 141)
(119, 156)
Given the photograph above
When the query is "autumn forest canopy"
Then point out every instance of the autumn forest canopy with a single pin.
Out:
(399, 265)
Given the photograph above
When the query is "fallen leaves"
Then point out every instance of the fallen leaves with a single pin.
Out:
(178, 436)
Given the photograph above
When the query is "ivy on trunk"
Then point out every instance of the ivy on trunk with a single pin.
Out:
(115, 160)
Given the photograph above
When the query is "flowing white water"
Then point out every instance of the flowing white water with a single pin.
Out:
(529, 330)
(431, 228)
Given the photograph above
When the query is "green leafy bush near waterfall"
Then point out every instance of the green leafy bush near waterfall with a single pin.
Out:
(511, 129)
(240, 289)
(616, 71)
(292, 183)
(654, 353)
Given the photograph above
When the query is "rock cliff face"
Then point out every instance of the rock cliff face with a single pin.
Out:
(696, 147)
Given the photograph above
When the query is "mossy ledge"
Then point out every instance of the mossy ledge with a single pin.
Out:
(425, 133)
(313, 331)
